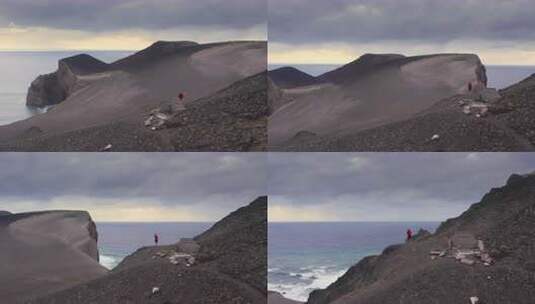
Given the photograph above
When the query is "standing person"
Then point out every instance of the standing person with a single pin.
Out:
(409, 234)
(469, 87)
(156, 239)
(180, 101)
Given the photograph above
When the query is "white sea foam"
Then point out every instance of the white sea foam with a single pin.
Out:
(314, 278)
(109, 261)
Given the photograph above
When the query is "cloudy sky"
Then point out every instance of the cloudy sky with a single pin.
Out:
(133, 186)
(338, 31)
(126, 24)
(384, 186)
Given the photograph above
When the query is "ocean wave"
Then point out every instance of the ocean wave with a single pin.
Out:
(298, 285)
(109, 261)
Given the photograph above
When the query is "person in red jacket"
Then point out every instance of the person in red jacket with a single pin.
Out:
(156, 238)
(409, 234)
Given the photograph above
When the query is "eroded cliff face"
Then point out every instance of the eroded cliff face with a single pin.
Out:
(45, 90)
(53, 88)
(44, 252)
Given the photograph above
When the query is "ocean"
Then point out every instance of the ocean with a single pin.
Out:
(499, 77)
(19, 69)
(307, 256)
(118, 240)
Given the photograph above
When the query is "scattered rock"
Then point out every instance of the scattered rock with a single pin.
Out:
(155, 290)
(435, 137)
(474, 300)
(467, 261)
(107, 148)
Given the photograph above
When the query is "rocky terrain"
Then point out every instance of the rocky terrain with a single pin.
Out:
(110, 107)
(419, 111)
(225, 264)
(484, 256)
(44, 252)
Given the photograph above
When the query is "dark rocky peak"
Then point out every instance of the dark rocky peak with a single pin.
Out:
(83, 64)
(497, 205)
(253, 214)
(377, 58)
(290, 77)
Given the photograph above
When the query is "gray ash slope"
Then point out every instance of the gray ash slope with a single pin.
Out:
(396, 103)
(92, 98)
(511, 127)
(230, 267)
(502, 221)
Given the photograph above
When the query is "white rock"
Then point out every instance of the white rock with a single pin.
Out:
(155, 290)
(467, 110)
(435, 137)
(474, 300)
(107, 148)
(148, 122)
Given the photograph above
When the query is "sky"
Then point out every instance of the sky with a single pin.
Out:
(133, 186)
(126, 24)
(384, 186)
(339, 31)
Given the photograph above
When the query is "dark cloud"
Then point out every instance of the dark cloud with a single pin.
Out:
(309, 179)
(108, 15)
(171, 178)
(437, 21)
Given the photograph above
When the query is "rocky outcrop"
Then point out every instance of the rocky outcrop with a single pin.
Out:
(44, 252)
(2, 213)
(51, 89)
(225, 264)
(485, 253)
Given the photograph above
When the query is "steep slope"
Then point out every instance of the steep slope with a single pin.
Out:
(233, 119)
(126, 91)
(45, 252)
(225, 264)
(374, 90)
(290, 77)
(507, 125)
(490, 257)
